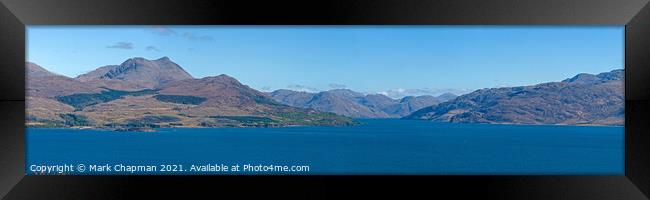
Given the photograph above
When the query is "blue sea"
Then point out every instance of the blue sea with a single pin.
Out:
(378, 146)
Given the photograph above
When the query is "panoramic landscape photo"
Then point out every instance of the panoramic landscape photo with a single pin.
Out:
(211, 100)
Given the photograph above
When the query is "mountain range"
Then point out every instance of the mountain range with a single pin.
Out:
(156, 93)
(354, 104)
(583, 99)
(159, 93)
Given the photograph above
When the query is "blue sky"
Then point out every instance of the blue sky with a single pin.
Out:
(395, 60)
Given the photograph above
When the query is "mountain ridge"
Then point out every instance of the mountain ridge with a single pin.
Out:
(144, 73)
(117, 100)
(113, 94)
(355, 104)
(586, 99)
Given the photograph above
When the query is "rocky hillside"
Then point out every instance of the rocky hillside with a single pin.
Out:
(354, 104)
(584, 99)
(164, 96)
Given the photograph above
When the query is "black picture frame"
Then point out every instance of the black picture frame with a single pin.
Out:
(16, 14)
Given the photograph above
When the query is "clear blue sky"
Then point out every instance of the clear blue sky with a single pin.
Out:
(398, 60)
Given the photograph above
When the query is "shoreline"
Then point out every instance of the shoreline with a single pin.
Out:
(516, 124)
(576, 125)
(149, 129)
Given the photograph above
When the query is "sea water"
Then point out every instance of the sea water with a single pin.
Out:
(377, 146)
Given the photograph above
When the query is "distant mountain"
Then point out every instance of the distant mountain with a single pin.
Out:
(410, 104)
(160, 94)
(446, 97)
(354, 104)
(292, 98)
(380, 102)
(343, 102)
(139, 72)
(345, 93)
(582, 99)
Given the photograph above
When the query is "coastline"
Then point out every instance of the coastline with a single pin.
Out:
(154, 129)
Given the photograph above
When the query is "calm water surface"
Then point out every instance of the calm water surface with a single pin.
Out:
(379, 146)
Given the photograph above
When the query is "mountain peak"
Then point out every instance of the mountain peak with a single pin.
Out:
(136, 59)
(378, 96)
(406, 98)
(222, 77)
(221, 90)
(585, 78)
(344, 92)
(142, 59)
(353, 104)
(447, 94)
(616, 74)
(219, 80)
(446, 97)
(140, 71)
(284, 91)
(34, 70)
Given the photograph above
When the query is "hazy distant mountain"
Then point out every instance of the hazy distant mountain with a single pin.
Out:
(446, 97)
(292, 98)
(140, 72)
(410, 104)
(583, 99)
(354, 104)
(174, 99)
(379, 101)
(343, 102)
(345, 93)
